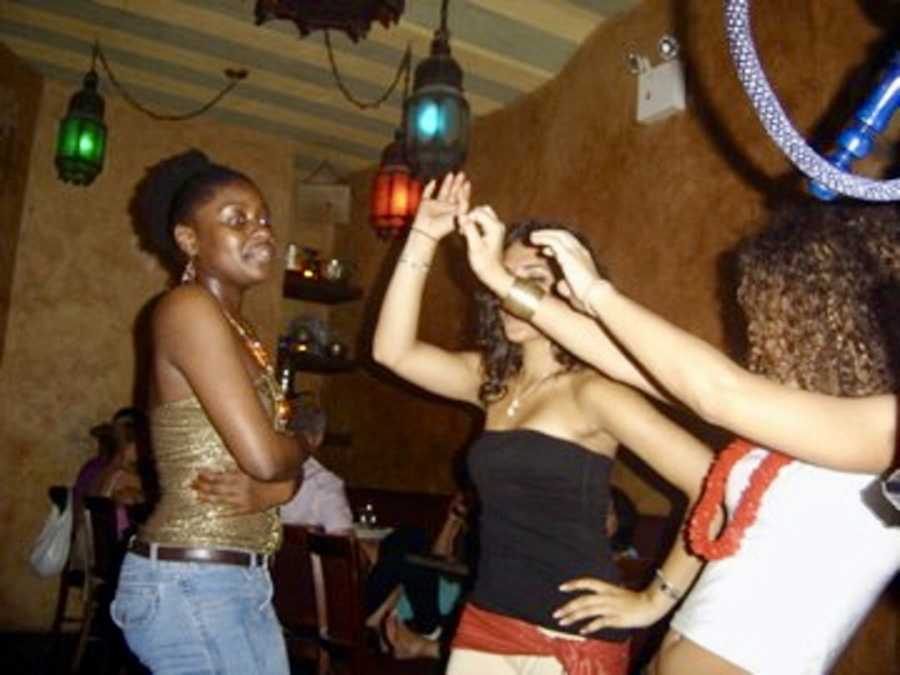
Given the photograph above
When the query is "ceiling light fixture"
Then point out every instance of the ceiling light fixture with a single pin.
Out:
(437, 113)
(354, 17)
(81, 140)
(396, 191)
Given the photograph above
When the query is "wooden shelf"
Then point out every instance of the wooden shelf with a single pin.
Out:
(297, 287)
(314, 363)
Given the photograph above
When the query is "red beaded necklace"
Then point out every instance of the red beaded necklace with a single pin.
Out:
(729, 541)
(261, 356)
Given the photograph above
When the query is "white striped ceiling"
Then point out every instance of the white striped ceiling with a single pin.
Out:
(171, 54)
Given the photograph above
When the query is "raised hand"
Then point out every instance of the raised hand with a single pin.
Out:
(484, 234)
(574, 260)
(440, 206)
(609, 606)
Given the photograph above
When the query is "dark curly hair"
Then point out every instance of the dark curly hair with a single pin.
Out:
(820, 287)
(500, 358)
(169, 193)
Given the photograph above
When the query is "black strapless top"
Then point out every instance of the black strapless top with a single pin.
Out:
(543, 513)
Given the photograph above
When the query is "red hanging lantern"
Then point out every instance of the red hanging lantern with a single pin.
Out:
(395, 192)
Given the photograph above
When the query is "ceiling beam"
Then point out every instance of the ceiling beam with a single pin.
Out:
(350, 155)
(196, 61)
(558, 17)
(220, 25)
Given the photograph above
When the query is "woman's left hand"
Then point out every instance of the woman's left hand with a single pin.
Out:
(233, 489)
(609, 605)
(574, 260)
(484, 234)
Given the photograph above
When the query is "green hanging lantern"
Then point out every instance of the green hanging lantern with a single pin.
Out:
(81, 142)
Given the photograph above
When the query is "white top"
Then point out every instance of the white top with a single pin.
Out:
(321, 500)
(807, 573)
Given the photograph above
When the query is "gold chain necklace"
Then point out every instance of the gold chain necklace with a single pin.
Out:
(513, 408)
(261, 356)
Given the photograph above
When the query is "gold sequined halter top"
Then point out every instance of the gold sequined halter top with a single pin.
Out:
(185, 443)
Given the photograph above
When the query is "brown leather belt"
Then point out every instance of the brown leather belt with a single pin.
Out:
(198, 555)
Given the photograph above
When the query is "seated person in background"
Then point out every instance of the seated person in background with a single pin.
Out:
(621, 521)
(413, 605)
(88, 475)
(321, 500)
(104, 434)
(119, 479)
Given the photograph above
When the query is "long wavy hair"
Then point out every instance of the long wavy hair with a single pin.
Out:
(820, 288)
(500, 358)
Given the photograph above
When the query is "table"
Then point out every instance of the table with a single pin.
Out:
(452, 568)
(368, 533)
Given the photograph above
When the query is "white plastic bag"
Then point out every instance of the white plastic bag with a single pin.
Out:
(51, 549)
(890, 487)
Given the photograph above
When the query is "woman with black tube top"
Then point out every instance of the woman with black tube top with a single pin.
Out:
(552, 427)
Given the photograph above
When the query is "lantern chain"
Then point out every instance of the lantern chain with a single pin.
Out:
(403, 68)
(235, 77)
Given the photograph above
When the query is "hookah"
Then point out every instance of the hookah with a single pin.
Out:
(830, 177)
(858, 139)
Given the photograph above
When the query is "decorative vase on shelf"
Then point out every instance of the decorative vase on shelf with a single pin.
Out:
(336, 270)
(311, 266)
(337, 350)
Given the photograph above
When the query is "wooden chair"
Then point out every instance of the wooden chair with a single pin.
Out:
(72, 577)
(295, 595)
(103, 560)
(342, 612)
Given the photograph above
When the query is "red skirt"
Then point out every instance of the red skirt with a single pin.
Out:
(486, 631)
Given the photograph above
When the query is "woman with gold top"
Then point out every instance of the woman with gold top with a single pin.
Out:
(542, 465)
(194, 593)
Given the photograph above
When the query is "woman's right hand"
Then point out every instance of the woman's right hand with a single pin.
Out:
(436, 213)
(239, 493)
(574, 260)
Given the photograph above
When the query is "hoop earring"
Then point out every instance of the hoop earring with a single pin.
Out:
(190, 272)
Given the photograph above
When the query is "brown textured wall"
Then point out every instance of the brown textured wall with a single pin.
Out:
(661, 203)
(20, 96)
(79, 284)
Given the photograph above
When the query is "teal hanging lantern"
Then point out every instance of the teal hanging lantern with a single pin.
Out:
(81, 141)
(437, 113)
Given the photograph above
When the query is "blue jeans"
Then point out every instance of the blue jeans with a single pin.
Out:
(199, 618)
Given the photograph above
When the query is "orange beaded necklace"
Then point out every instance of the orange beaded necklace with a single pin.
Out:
(729, 541)
(261, 356)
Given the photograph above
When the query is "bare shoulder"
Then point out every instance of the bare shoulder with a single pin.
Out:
(604, 399)
(185, 305)
(590, 385)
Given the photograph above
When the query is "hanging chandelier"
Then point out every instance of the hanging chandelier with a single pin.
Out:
(81, 140)
(354, 17)
(437, 113)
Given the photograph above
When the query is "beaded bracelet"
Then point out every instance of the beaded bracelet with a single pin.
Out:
(666, 587)
(425, 234)
(523, 298)
(417, 265)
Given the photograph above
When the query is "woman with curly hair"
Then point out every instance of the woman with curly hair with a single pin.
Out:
(194, 593)
(803, 557)
(541, 466)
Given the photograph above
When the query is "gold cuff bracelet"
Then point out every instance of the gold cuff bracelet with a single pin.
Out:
(523, 298)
